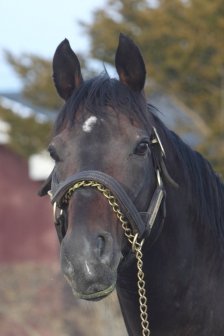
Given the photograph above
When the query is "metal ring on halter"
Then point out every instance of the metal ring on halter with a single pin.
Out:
(54, 211)
(136, 243)
(159, 180)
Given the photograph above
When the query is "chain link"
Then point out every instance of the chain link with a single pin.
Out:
(133, 239)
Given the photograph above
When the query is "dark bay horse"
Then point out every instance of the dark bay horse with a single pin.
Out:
(107, 135)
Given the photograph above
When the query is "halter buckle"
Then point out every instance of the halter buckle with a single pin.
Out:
(159, 179)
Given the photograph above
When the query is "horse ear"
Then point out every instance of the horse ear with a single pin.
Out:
(66, 70)
(130, 64)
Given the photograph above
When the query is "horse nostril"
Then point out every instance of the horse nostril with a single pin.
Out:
(69, 270)
(104, 248)
(100, 246)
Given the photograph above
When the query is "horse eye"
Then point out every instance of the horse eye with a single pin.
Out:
(53, 153)
(142, 148)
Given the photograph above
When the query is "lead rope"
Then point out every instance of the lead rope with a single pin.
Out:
(133, 239)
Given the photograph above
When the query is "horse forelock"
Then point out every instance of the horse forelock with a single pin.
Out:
(94, 95)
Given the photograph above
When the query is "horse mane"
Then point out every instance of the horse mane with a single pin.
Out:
(206, 186)
(200, 180)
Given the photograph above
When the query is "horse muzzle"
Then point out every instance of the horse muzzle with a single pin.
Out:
(90, 267)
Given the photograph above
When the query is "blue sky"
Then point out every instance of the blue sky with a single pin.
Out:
(38, 27)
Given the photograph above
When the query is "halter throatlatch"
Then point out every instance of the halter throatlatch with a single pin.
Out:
(135, 228)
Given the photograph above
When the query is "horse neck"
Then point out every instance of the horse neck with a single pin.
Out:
(185, 264)
(195, 212)
(190, 250)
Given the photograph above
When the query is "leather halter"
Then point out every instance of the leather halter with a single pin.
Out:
(135, 218)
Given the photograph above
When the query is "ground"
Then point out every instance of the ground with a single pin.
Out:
(35, 301)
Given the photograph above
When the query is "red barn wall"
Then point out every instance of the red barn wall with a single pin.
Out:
(26, 227)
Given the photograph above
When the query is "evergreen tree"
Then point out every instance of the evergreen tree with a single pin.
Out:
(27, 135)
(182, 43)
(35, 73)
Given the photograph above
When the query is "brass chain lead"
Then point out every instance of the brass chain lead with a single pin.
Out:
(133, 239)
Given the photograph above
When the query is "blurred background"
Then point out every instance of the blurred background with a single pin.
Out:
(182, 44)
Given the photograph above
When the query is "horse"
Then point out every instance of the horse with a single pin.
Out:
(135, 207)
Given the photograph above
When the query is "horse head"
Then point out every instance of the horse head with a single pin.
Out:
(100, 134)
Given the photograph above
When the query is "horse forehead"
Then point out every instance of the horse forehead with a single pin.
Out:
(111, 119)
(93, 128)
